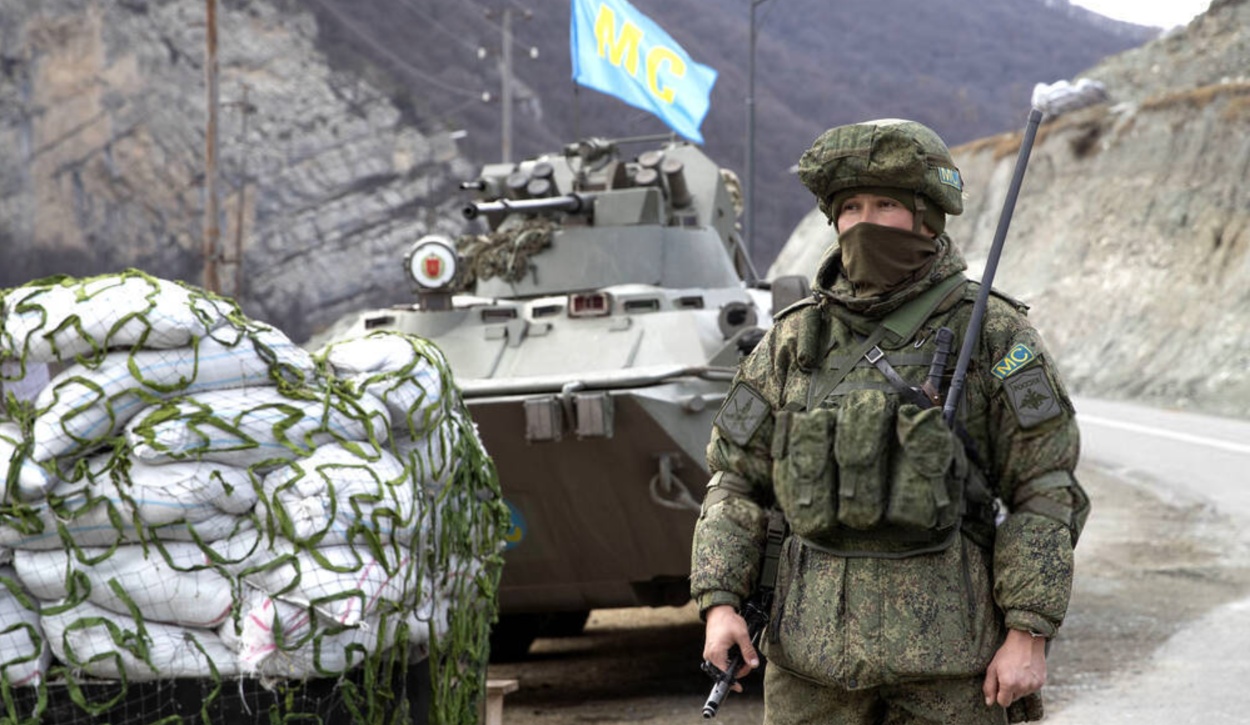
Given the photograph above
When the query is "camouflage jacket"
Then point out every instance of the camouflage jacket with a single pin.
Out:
(860, 620)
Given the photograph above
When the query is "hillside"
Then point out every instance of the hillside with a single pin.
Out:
(334, 144)
(1131, 232)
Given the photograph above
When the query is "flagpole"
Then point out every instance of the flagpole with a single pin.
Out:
(577, 111)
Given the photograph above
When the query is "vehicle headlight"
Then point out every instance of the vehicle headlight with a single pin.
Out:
(432, 262)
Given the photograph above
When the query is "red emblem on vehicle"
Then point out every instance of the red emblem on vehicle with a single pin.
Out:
(433, 266)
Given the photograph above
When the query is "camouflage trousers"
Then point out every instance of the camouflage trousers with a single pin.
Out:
(793, 700)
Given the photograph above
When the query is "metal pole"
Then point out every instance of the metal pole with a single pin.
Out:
(750, 162)
(242, 203)
(506, 97)
(211, 230)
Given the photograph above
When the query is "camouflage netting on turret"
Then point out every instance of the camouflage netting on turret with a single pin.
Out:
(190, 497)
(505, 252)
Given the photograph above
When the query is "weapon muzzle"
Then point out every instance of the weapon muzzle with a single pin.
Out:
(569, 203)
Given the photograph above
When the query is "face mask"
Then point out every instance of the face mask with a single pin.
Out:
(879, 259)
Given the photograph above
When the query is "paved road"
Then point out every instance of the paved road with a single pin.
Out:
(1202, 673)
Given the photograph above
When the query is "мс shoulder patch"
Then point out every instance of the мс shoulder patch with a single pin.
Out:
(1032, 397)
(741, 415)
(1015, 359)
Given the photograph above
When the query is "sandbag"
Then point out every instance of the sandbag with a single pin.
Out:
(100, 643)
(24, 480)
(404, 371)
(63, 318)
(24, 653)
(173, 583)
(83, 407)
(245, 427)
(339, 495)
(119, 501)
(279, 639)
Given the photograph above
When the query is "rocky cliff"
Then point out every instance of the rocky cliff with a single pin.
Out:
(102, 140)
(333, 144)
(1131, 231)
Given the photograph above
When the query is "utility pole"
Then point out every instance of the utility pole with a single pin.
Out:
(750, 161)
(505, 73)
(241, 205)
(505, 76)
(211, 230)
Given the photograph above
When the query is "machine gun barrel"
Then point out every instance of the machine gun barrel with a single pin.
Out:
(571, 203)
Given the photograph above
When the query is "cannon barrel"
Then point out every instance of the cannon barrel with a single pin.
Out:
(572, 203)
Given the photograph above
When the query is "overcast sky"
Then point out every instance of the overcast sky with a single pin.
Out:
(1163, 13)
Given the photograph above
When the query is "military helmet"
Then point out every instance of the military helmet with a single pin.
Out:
(886, 153)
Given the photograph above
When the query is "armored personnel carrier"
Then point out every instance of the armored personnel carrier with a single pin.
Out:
(594, 327)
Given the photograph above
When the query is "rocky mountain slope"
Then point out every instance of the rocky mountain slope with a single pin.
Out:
(334, 145)
(322, 181)
(1131, 231)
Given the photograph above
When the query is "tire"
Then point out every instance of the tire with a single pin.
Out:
(512, 635)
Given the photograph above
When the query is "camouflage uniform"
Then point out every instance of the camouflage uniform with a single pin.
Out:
(895, 582)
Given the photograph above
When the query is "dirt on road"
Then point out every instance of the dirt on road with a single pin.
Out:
(1148, 563)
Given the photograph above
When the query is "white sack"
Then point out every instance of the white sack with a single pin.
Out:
(169, 502)
(83, 407)
(343, 584)
(310, 647)
(24, 653)
(335, 496)
(170, 583)
(397, 369)
(32, 481)
(106, 643)
(245, 426)
(60, 321)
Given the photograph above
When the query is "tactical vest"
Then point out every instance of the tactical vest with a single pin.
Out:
(864, 464)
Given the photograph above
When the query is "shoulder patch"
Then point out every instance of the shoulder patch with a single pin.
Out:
(1015, 359)
(741, 415)
(1032, 397)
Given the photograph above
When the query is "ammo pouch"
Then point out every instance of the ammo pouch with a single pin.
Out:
(870, 469)
(804, 474)
(927, 478)
(862, 451)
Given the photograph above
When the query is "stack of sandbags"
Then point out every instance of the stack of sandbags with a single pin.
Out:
(193, 495)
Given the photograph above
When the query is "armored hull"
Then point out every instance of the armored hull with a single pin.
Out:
(594, 330)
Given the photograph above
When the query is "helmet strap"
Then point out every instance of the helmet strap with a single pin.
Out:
(918, 217)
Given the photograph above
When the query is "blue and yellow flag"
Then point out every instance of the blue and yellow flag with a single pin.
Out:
(619, 51)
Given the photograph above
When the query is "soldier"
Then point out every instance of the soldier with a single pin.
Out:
(924, 569)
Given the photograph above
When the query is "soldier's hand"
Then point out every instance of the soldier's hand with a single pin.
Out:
(1018, 669)
(726, 628)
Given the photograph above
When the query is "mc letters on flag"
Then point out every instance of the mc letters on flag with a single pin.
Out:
(619, 51)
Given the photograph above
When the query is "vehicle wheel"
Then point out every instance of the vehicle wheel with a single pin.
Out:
(565, 624)
(512, 635)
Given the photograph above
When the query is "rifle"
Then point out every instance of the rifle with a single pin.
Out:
(755, 610)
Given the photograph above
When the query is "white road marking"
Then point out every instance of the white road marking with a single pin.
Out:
(1164, 433)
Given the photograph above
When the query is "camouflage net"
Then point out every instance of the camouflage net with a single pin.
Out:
(193, 504)
(505, 252)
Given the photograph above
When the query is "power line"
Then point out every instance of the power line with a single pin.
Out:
(415, 10)
(391, 55)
